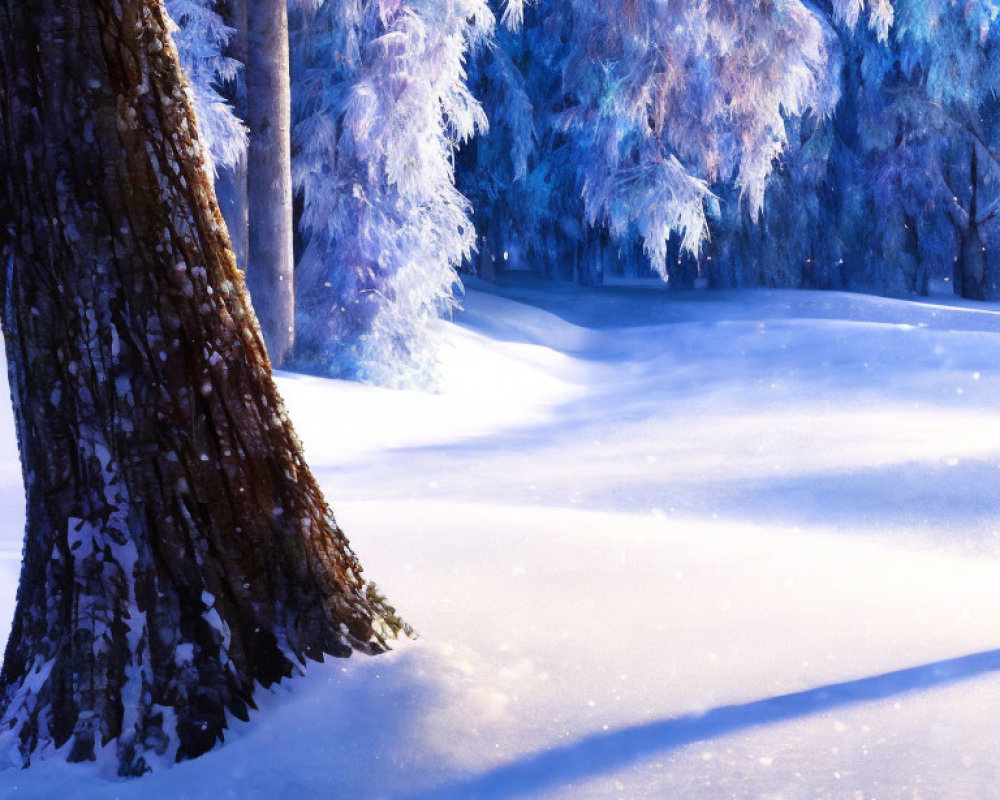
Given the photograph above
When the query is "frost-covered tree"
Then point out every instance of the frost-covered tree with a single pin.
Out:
(781, 247)
(212, 52)
(658, 111)
(522, 174)
(382, 104)
(720, 122)
(202, 38)
(178, 551)
(930, 135)
(496, 169)
(670, 98)
(843, 208)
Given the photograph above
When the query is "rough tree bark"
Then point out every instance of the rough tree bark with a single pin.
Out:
(269, 175)
(177, 547)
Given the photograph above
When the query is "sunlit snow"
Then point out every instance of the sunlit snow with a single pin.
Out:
(657, 545)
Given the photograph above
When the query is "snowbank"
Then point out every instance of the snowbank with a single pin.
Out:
(688, 545)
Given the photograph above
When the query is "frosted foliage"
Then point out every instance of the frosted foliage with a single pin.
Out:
(511, 106)
(880, 14)
(675, 96)
(201, 38)
(936, 80)
(954, 44)
(376, 130)
(669, 199)
(860, 135)
(527, 208)
(513, 13)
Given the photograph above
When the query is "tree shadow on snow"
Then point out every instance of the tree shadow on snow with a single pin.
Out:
(606, 752)
(926, 499)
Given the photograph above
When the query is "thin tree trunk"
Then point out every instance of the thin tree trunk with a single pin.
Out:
(177, 549)
(269, 175)
(486, 259)
(971, 278)
(683, 268)
(916, 274)
(591, 266)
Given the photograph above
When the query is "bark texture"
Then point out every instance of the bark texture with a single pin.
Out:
(177, 550)
(269, 175)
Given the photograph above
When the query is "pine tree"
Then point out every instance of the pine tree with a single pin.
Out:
(930, 141)
(521, 189)
(382, 104)
(211, 42)
(178, 551)
(202, 38)
(656, 111)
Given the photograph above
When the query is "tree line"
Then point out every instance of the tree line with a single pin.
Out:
(843, 144)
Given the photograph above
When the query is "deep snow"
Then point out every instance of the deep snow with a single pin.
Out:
(657, 545)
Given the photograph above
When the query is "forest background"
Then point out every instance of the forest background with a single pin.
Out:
(722, 143)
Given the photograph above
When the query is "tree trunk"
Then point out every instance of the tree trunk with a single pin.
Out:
(486, 257)
(917, 275)
(682, 266)
(970, 269)
(269, 175)
(590, 270)
(177, 549)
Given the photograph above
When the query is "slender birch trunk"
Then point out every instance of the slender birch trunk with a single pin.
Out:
(269, 175)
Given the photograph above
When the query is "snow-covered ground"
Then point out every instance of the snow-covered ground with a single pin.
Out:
(657, 545)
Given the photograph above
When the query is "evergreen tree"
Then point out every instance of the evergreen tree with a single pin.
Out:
(382, 104)
(656, 107)
(521, 174)
(781, 248)
(202, 39)
(928, 137)
(211, 42)
(495, 168)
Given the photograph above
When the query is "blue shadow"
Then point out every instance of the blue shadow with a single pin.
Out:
(605, 752)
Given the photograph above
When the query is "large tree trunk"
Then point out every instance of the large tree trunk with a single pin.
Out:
(269, 175)
(177, 550)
